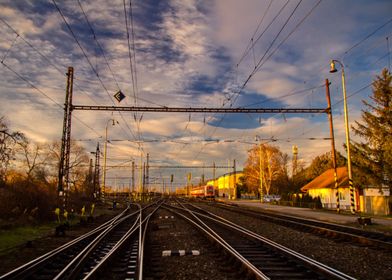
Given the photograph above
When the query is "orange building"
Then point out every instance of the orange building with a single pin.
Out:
(369, 200)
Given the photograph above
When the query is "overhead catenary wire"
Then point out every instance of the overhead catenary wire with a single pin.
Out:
(367, 37)
(43, 56)
(89, 62)
(237, 94)
(98, 44)
(252, 42)
(47, 96)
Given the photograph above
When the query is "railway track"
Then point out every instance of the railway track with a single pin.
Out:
(90, 255)
(257, 256)
(340, 233)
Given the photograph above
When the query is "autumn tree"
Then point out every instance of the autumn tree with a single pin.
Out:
(270, 161)
(372, 157)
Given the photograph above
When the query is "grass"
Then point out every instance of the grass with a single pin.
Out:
(20, 235)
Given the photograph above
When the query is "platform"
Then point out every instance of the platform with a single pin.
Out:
(322, 215)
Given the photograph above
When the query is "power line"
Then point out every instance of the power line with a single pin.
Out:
(367, 37)
(251, 43)
(46, 95)
(98, 44)
(42, 55)
(89, 62)
(129, 52)
(253, 72)
(288, 35)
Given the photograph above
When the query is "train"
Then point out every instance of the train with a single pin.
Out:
(206, 191)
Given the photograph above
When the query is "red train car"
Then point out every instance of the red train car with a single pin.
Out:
(203, 191)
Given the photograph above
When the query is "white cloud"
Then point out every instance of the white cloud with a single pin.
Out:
(190, 39)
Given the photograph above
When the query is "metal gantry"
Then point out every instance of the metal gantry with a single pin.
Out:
(63, 175)
(199, 110)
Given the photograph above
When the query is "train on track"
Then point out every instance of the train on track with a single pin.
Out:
(205, 192)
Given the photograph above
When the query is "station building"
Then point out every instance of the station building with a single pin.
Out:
(370, 200)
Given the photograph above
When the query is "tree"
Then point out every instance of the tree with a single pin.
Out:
(33, 158)
(372, 158)
(78, 163)
(273, 163)
(8, 141)
(322, 163)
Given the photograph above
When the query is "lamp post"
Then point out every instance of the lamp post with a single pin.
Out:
(104, 159)
(350, 178)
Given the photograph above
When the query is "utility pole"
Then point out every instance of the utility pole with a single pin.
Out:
(141, 175)
(189, 177)
(214, 176)
(144, 178)
(63, 175)
(261, 174)
(235, 180)
(96, 172)
(333, 150)
(147, 170)
(90, 178)
(133, 176)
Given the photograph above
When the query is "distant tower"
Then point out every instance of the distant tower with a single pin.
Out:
(295, 158)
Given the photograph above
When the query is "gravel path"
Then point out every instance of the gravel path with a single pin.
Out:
(177, 234)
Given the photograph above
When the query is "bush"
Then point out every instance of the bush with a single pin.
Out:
(27, 201)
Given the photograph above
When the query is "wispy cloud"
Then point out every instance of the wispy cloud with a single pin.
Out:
(186, 55)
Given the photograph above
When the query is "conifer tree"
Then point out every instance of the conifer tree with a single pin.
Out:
(372, 157)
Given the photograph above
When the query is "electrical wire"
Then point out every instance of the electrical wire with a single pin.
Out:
(46, 95)
(367, 37)
(43, 56)
(89, 62)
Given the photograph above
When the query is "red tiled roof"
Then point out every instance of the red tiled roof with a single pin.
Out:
(326, 180)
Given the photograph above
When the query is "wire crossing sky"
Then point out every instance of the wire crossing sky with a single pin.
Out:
(222, 54)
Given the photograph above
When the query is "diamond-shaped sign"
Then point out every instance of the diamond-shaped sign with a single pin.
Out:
(119, 96)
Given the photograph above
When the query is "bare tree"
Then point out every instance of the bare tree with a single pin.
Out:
(78, 163)
(8, 142)
(33, 157)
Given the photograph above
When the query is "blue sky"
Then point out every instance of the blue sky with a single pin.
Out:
(190, 54)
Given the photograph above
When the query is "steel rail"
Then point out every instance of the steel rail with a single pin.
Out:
(29, 267)
(351, 233)
(319, 266)
(258, 274)
(99, 267)
(143, 239)
(76, 264)
(72, 267)
(324, 269)
(103, 261)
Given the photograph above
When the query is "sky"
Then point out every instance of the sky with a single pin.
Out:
(189, 53)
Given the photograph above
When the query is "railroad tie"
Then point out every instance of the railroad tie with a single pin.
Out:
(170, 253)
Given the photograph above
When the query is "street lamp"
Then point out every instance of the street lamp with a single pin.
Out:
(350, 178)
(104, 159)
